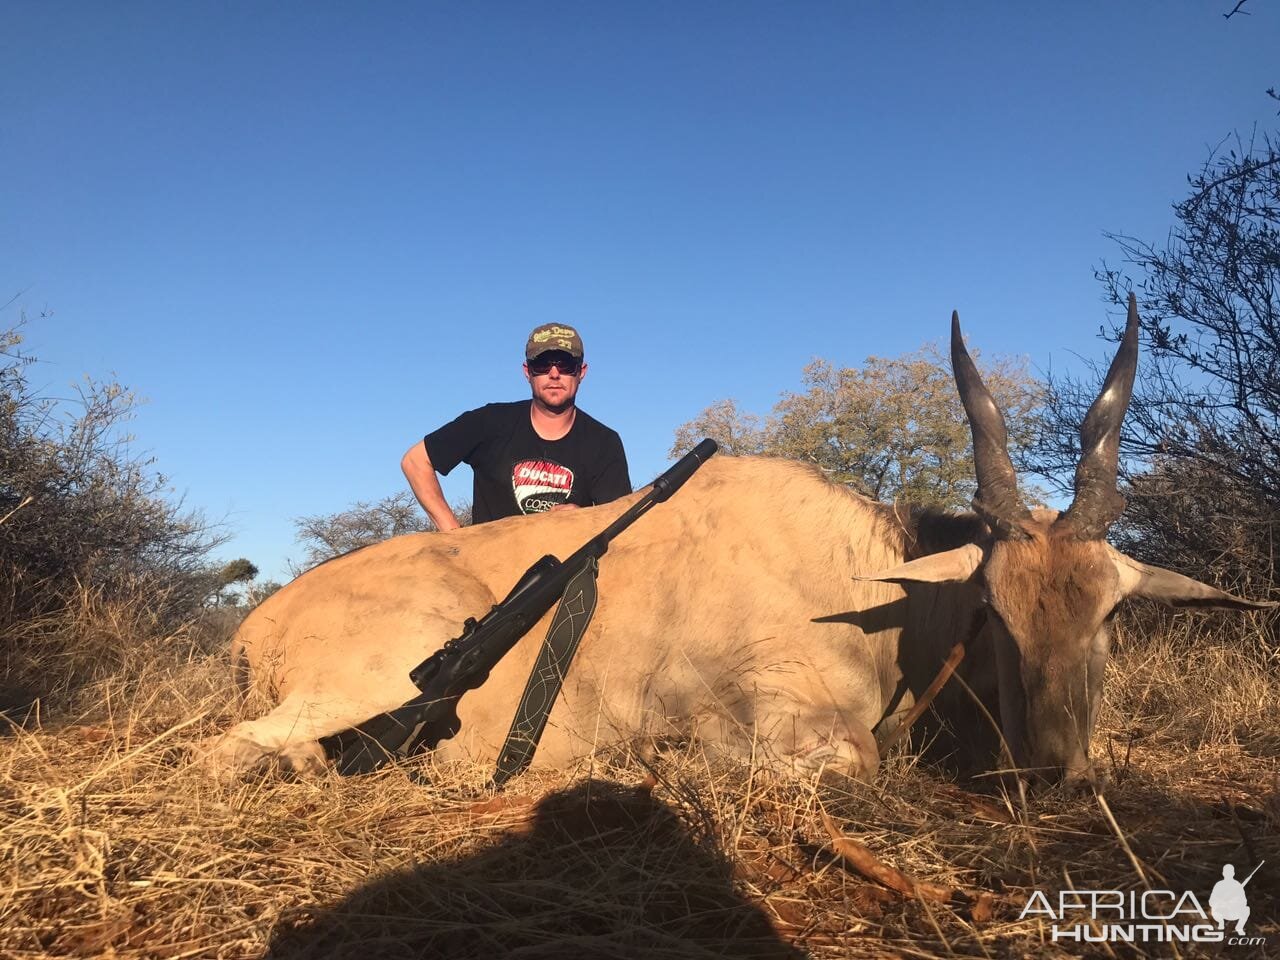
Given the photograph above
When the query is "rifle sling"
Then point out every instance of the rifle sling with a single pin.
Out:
(572, 616)
(422, 723)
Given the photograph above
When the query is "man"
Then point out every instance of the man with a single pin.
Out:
(529, 456)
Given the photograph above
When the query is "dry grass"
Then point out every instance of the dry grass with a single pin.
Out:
(91, 642)
(112, 845)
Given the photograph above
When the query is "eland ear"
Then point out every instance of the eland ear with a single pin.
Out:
(950, 566)
(1156, 583)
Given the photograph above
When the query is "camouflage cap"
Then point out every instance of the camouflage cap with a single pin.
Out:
(553, 336)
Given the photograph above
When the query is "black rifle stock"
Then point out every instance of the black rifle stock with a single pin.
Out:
(464, 663)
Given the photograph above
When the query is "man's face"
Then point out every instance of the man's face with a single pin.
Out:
(554, 377)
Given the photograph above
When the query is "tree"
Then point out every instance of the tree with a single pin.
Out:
(325, 536)
(97, 561)
(893, 428)
(738, 433)
(257, 591)
(1200, 449)
(80, 507)
(222, 579)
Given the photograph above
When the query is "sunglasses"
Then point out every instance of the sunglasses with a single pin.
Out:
(567, 365)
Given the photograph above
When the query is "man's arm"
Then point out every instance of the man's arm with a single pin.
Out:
(426, 487)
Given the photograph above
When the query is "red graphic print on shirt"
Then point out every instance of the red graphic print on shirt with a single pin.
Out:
(540, 485)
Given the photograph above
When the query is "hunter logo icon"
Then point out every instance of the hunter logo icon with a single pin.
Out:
(1228, 901)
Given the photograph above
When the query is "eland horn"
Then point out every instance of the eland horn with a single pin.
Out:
(1098, 502)
(997, 499)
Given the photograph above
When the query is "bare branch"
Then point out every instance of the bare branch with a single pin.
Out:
(1200, 447)
(1238, 8)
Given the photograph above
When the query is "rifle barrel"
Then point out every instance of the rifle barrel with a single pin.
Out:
(661, 490)
(464, 663)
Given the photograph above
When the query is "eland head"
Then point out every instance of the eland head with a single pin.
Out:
(1049, 581)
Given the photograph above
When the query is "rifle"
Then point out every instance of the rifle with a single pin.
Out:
(464, 662)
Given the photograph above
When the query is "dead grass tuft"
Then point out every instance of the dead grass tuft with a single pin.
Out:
(112, 845)
(70, 659)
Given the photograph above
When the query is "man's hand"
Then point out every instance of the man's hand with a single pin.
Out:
(426, 487)
(564, 506)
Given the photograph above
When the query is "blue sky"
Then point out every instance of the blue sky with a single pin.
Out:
(310, 233)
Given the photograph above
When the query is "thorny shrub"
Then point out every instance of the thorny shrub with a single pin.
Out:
(97, 563)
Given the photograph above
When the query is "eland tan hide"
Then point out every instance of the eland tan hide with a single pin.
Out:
(761, 608)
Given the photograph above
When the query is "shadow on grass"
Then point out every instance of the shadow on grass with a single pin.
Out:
(18, 708)
(599, 870)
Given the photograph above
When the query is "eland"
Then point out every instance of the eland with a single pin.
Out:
(761, 608)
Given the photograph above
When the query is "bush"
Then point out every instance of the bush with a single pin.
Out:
(95, 559)
(328, 535)
(1200, 448)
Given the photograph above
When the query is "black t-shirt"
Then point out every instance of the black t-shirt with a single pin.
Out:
(516, 471)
